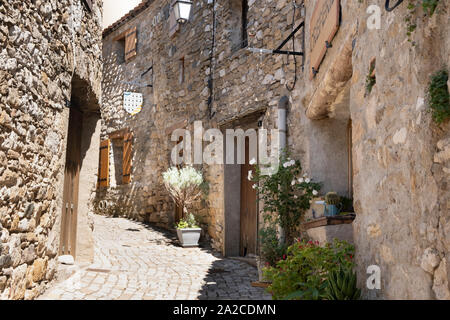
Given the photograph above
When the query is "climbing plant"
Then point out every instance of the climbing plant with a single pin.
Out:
(428, 6)
(439, 97)
(371, 79)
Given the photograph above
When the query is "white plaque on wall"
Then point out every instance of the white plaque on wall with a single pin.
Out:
(132, 102)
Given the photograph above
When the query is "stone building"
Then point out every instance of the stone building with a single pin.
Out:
(50, 90)
(357, 119)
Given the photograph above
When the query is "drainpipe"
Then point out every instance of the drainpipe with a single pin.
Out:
(282, 128)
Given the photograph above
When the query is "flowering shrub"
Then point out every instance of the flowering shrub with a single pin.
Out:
(185, 185)
(303, 271)
(287, 195)
(271, 249)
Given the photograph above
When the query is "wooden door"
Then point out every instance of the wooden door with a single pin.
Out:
(249, 208)
(71, 184)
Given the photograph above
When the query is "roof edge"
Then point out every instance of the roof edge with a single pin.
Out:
(127, 17)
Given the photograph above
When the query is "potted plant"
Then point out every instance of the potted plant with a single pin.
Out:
(332, 204)
(188, 231)
(185, 186)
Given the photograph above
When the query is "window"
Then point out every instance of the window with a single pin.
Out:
(88, 4)
(244, 35)
(238, 24)
(125, 45)
(120, 158)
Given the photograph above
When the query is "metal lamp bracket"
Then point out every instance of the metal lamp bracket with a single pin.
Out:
(387, 5)
(279, 50)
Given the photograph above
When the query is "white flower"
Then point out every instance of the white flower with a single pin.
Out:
(295, 197)
(254, 186)
(289, 163)
(307, 180)
(315, 192)
(250, 175)
(253, 161)
(293, 182)
(300, 180)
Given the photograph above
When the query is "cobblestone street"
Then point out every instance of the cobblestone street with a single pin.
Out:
(136, 261)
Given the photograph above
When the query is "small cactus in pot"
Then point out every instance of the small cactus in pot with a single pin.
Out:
(332, 198)
(332, 201)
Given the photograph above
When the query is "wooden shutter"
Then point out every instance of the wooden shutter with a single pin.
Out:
(130, 43)
(127, 155)
(103, 168)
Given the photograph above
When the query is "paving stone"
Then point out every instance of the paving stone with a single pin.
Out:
(142, 268)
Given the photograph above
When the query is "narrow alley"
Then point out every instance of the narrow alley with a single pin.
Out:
(134, 261)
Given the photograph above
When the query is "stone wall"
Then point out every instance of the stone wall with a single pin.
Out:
(400, 178)
(399, 157)
(400, 182)
(43, 46)
(223, 82)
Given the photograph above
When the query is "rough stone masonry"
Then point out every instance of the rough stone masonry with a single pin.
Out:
(380, 148)
(46, 48)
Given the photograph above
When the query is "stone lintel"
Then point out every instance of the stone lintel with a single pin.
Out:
(332, 84)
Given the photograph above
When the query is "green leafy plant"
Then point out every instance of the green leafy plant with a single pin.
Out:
(271, 249)
(188, 222)
(428, 6)
(438, 96)
(332, 198)
(371, 79)
(286, 194)
(303, 271)
(341, 285)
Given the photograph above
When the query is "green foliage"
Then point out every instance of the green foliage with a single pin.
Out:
(332, 198)
(271, 250)
(428, 6)
(341, 285)
(438, 96)
(302, 274)
(371, 80)
(286, 195)
(188, 222)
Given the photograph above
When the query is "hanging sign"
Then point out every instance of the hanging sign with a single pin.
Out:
(323, 27)
(132, 102)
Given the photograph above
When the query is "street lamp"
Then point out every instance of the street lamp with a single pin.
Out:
(182, 9)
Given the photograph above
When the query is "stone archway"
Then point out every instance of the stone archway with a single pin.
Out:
(83, 141)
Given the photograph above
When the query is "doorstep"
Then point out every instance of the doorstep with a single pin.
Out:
(251, 261)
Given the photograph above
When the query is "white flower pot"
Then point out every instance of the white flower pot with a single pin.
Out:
(189, 237)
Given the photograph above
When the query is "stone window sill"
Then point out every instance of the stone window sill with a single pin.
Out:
(327, 221)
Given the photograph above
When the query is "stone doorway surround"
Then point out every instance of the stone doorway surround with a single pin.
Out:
(84, 99)
(232, 185)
